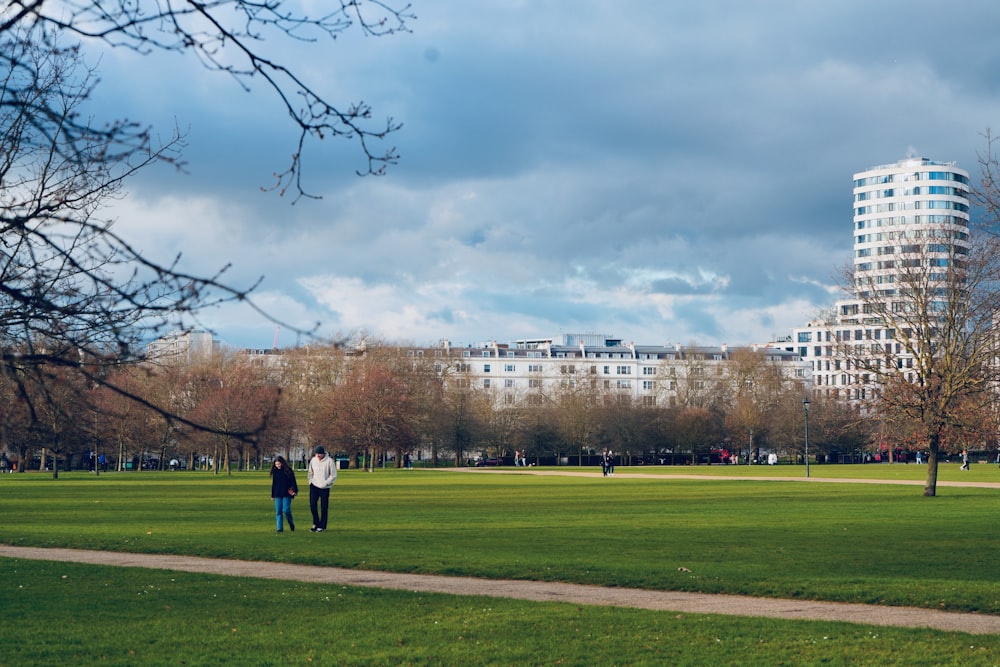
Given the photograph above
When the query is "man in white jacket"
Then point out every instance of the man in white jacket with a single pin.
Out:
(322, 475)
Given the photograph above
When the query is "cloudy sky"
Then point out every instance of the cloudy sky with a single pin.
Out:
(659, 171)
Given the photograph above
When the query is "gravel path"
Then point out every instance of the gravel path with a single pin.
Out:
(692, 603)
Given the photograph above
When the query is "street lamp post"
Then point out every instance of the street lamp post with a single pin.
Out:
(805, 407)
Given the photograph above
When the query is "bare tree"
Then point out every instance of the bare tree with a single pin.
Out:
(928, 344)
(226, 36)
(754, 388)
(73, 293)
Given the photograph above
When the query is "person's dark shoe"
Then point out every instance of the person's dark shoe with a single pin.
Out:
(291, 526)
(314, 529)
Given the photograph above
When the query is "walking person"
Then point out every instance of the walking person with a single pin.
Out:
(322, 474)
(965, 459)
(283, 489)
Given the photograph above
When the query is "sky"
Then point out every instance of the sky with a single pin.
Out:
(661, 172)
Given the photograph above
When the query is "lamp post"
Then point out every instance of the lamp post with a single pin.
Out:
(805, 408)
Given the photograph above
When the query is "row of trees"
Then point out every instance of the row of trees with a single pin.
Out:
(382, 404)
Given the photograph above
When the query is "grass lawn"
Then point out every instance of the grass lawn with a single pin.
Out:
(70, 614)
(856, 542)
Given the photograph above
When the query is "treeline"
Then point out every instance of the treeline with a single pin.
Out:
(234, 411)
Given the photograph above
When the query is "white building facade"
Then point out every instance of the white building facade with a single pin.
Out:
(526, 371)
(910, 214)
(182, 347)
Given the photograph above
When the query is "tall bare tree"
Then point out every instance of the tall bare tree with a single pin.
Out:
(73, 293)
(934, 359)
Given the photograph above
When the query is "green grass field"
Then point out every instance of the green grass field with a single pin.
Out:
(854, 542)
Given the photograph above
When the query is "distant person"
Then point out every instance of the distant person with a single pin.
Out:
(965, 460)
(322, 474)
(920, 458)
(604, 463)
(283, 489)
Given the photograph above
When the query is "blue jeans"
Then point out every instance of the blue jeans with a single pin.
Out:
(283, 509)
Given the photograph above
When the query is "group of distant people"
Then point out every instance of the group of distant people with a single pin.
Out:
(321, 473)
(520, 458)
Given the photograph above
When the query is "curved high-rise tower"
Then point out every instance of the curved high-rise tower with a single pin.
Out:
(911, 229)
(911, 213)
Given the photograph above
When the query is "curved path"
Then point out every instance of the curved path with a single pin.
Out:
(727, 478)
(693, 603)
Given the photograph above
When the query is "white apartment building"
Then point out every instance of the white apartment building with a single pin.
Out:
(525, 371)
(913, 213)
(182, 347)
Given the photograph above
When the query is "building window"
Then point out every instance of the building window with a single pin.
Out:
(624, 370)
(509, 368)
(508, 383)
(486, 383)
(649, 370)
(486, 368)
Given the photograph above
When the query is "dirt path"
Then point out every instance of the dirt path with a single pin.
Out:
(692, 603)
(727, 478)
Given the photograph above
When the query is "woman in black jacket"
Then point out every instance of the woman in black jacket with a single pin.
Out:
(283, 489)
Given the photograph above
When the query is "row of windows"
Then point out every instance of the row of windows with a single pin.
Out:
(913, 249)
(910, 220)
(910, 192)
(844, 335)
(534, 383)
(564, 369)
(884, 265)
(912, 235)
(900, 177)
(918, 205)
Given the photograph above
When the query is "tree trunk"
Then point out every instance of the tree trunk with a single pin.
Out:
(930, 486)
